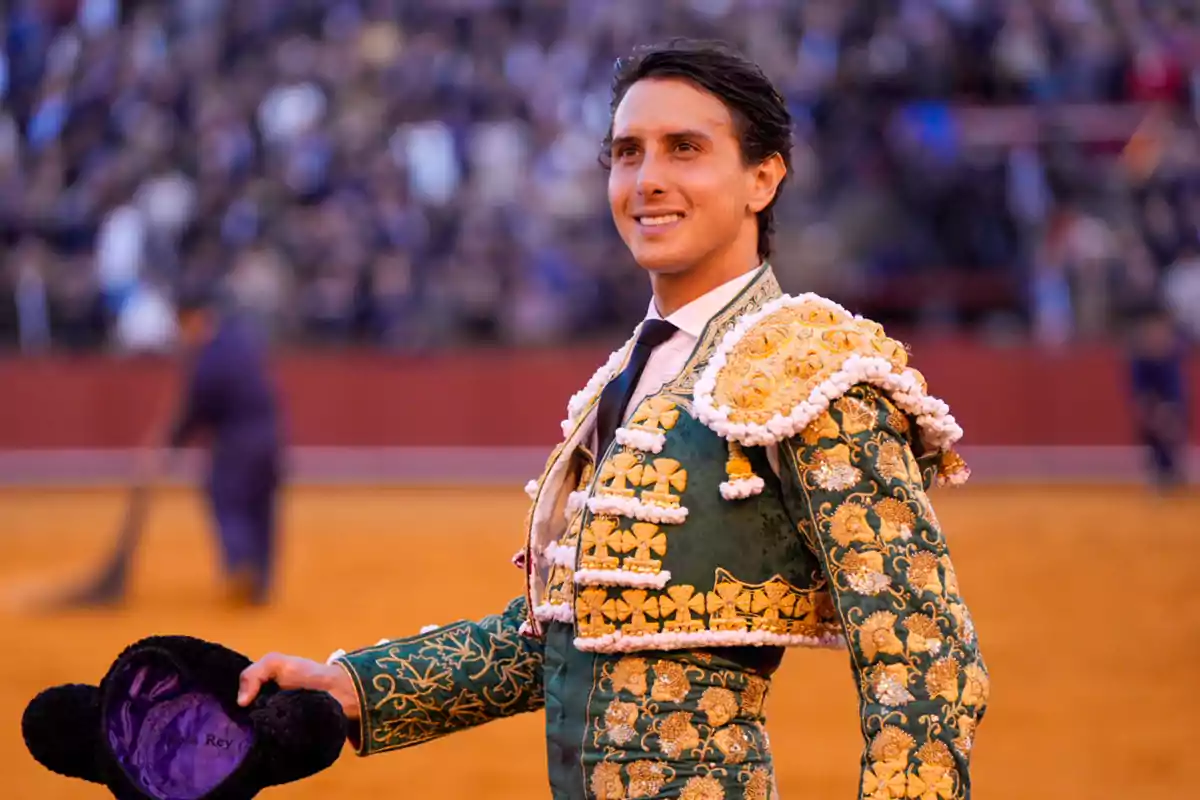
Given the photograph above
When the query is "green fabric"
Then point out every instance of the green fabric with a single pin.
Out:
(455, 677)
(858, 495)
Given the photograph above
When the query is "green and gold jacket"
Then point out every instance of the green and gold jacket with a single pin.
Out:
(772, 495)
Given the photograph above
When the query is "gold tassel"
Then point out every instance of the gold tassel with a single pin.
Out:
(737, 467)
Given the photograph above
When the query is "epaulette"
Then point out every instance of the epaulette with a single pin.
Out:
(780, 367)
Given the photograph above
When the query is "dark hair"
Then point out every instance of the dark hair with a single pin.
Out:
(760, 114)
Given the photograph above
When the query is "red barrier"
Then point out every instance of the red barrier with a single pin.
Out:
(1016, 396)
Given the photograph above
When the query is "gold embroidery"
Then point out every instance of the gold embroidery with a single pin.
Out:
(722, 608)
(643, 539)
(896, 463)
(599, 536)
(889, 682)
(702, 788)
(606, 782)
(966, 628)
(719, 704)
(823, 427)
(896, 520)
(733, 744)
(849, 524)
(864, 572)
(682, 601)
(924, 635)
(621, 722)
(857, 416)
(618, 472)
(934, 778)
(885, 780)
(754, 695)
(655, 415)
(975, 693)
(923, 573)
(630, 676)
(833, 469)
(737, 466)
(677, 735)
(646, 778)
(664, 474)
(671, 684)
(892, 744)
(941, 679)
(768, 603)
(877, 635)
(966, 733)
(759, 785)
(951, 576)
(592, 611)
(636, 604)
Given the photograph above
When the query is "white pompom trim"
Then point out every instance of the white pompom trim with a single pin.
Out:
(531, 489)
(622, 643)
(742, 488)
(635, 509)
(560, 555)
(955, 478)
(583, 398)
(554, 612)
(334, 656)
(575, 503)
(621, 577)
(932, 415)
(645, 441)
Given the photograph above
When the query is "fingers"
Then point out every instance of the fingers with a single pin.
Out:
(255, 675)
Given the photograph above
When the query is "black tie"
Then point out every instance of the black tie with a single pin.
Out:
(619, 390)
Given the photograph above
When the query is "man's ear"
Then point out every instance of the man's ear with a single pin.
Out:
(766, 177)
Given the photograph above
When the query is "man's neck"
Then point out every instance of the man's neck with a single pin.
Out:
(674, 290)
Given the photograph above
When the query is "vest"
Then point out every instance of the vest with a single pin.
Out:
(677, 537)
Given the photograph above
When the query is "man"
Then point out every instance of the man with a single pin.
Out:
(1157, 379)
(229, 397)
(745, 475)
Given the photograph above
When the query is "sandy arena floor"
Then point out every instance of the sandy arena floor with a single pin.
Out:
(1087, 602)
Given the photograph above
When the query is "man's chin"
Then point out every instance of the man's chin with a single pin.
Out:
(661, 261)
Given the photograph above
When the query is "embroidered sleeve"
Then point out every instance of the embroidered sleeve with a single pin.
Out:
(858, 495)
(444, 680)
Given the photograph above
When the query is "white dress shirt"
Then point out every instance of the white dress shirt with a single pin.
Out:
(669, 358)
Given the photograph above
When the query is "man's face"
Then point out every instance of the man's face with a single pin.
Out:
(678, 188)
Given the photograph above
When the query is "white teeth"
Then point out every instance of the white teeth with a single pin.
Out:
(666, 219)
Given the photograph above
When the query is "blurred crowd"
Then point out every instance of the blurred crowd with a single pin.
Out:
(423, 173)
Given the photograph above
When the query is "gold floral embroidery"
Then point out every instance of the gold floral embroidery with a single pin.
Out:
(664, 474)
(849, 524)
(941, 679)
(682, 601)
(966, 627)
(924, 635)
(719, 704)
(890, 684)
(758, 787)
(975, 693)
(833, 470)
(857, 416)
(702, 788)
(671, 684)
(618, 472)
(934, 778)
(593, 610)
(898, 420)
(864, 572)
(722, 608)
(606, 782)
(877, 635)
(823, 427)
(951, 576)
(923, 573)
(885, 780)
(598, 538)
(895, 462)
(769, 603)
(621, 721)
(638, 607)
(646, 778)
(896, 520)
(630, 676)
(655, 415)
(733, 743)
(754, 695)
(966, 734)
(677, 735)
(892, 744)
(643, 539)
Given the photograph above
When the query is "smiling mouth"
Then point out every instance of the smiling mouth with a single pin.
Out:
(658, 220)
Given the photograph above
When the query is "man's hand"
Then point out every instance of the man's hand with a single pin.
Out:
(291, 672)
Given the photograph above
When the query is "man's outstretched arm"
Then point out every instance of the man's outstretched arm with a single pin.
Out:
(403, 692)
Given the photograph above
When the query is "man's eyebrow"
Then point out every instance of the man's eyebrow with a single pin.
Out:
(672, 136)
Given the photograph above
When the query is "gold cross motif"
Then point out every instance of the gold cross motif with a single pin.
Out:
(617, 472)
(722, 607)
(635, 603)
(664, 475)
(600, 535)
(771, 601)
(682, 601)
(656, 414)
(644, 539)
(593, 609)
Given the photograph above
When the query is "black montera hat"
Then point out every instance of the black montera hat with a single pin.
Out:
(164, 724)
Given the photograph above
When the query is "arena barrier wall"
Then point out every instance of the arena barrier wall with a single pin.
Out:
(481, 415)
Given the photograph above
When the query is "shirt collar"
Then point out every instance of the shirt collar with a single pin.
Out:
(692, 318)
